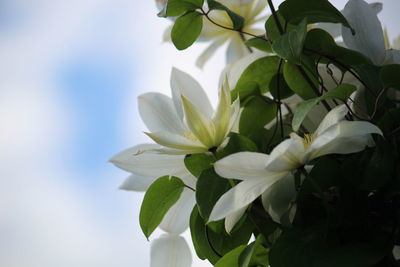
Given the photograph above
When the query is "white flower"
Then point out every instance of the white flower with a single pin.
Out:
(250, 11)
(369, 38)
(145, 166)
(187, 123)
(270, 175)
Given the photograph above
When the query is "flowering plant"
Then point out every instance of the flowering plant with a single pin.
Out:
(298, 163)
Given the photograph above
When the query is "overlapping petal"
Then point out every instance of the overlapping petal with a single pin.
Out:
(170, 250)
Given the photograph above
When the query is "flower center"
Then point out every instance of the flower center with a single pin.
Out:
(308, 139)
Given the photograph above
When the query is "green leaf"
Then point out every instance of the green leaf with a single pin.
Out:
(159, 198)
(342, 92)
(301, 111)
(257, 112)
(257, 74)
(390, 76)
(199, 237)
(231, 258)
(209, 188)
(271, 28)
(296, 80)
(281, 85)
(290, 45)
(175, 8)
(320, 43)
(208, 243)
(255, 254)
(237, 143)
(187, 29)
(314, 10)
(197, 163)
(260, 44)
(237, 20)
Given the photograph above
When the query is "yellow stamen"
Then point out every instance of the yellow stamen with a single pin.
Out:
(308, 139)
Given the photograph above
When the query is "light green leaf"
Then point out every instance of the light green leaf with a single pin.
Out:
(342, 92)
(314, 10)
(290, 45)
(175, 8)
(259, 74)
(231, 258)
(187, 29)
(159, 198)
(255, 254)
(237, 20)
(301, 112)
(260, 44)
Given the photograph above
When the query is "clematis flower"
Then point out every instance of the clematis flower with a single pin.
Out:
(250, 10)
(270, 175)
(369, 38)
(145, 166)
(187, 123)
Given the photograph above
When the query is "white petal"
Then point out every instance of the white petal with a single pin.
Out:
(241, 195)
(286, 156)
(200, 125)
(144, 161)
(158, 113)
(235, 116)
(258, 8)
(243, 166)
(167, 34)
(209, 52)
(231, 220)
(369, 34)
(278, 199)
(176, 141)
(137, 183)
(176, 221)
(170, 251)
(182, 84)
(333, 117)
(343, 138)
(392, 56)
(222, 117)
(236, 49)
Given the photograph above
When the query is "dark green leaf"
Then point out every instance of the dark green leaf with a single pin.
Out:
(199, 237)
(259, 73)
(197, 163)
(260, 44)
(159, 198)
(342, 92)
(187, 29)
(255, 254)
(237, 20)
(296, 80)
(290, 45)
(390, 76)
(175, 8)
(210, 187)
(257, 112)
(280, 86)
(314, 10)
(319, 43)
(231, 258)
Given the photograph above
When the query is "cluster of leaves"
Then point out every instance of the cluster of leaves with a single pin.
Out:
(347, 205)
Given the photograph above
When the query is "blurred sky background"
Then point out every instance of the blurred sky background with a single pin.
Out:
(70, 72)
